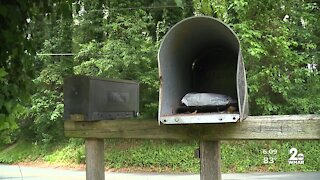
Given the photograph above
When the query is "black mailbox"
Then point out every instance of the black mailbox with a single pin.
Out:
(100, 99)
(202, 56)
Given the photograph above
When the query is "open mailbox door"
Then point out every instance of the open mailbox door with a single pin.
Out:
(201, 56)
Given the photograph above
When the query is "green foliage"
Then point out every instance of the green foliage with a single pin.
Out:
(247, 156)
(276, 57)
(117, 39)
(278, 41)
(18, 65)
(9, 131)
(43, 118)
(308, 148)
(127, 53)
(162, 155)
(72, 153)
(218, 8)
(129, 48)
(16, 68)
(89, 18)
(22, 151)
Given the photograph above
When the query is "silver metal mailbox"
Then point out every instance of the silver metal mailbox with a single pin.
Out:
(201, 55)
(100, 99)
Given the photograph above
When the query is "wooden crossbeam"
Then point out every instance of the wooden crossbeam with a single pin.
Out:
(252, 128)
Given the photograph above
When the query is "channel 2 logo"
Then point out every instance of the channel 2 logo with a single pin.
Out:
(295, 157)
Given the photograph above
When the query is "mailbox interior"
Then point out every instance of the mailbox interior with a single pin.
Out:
(198, 55)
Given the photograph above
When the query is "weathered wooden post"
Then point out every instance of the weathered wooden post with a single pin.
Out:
(94, 159)
(210, 159)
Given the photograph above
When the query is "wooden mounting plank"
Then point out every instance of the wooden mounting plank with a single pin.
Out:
(252, 128)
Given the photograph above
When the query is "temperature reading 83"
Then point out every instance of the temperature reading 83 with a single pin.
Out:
(269, 156)
(269, 160)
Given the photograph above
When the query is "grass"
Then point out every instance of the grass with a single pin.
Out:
(172, 156)
(247, 156)
(22, 151)
(72, 152)
(152, 154)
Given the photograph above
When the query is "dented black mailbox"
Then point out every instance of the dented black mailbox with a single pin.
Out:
(100, 99)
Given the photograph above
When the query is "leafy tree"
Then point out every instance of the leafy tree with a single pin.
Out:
(276, 55)
(120, 39)
(130, 47)
(44, 117)
(89, 18)
(278, 41)
(19, 22)
(16, 67)
(128, 52)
